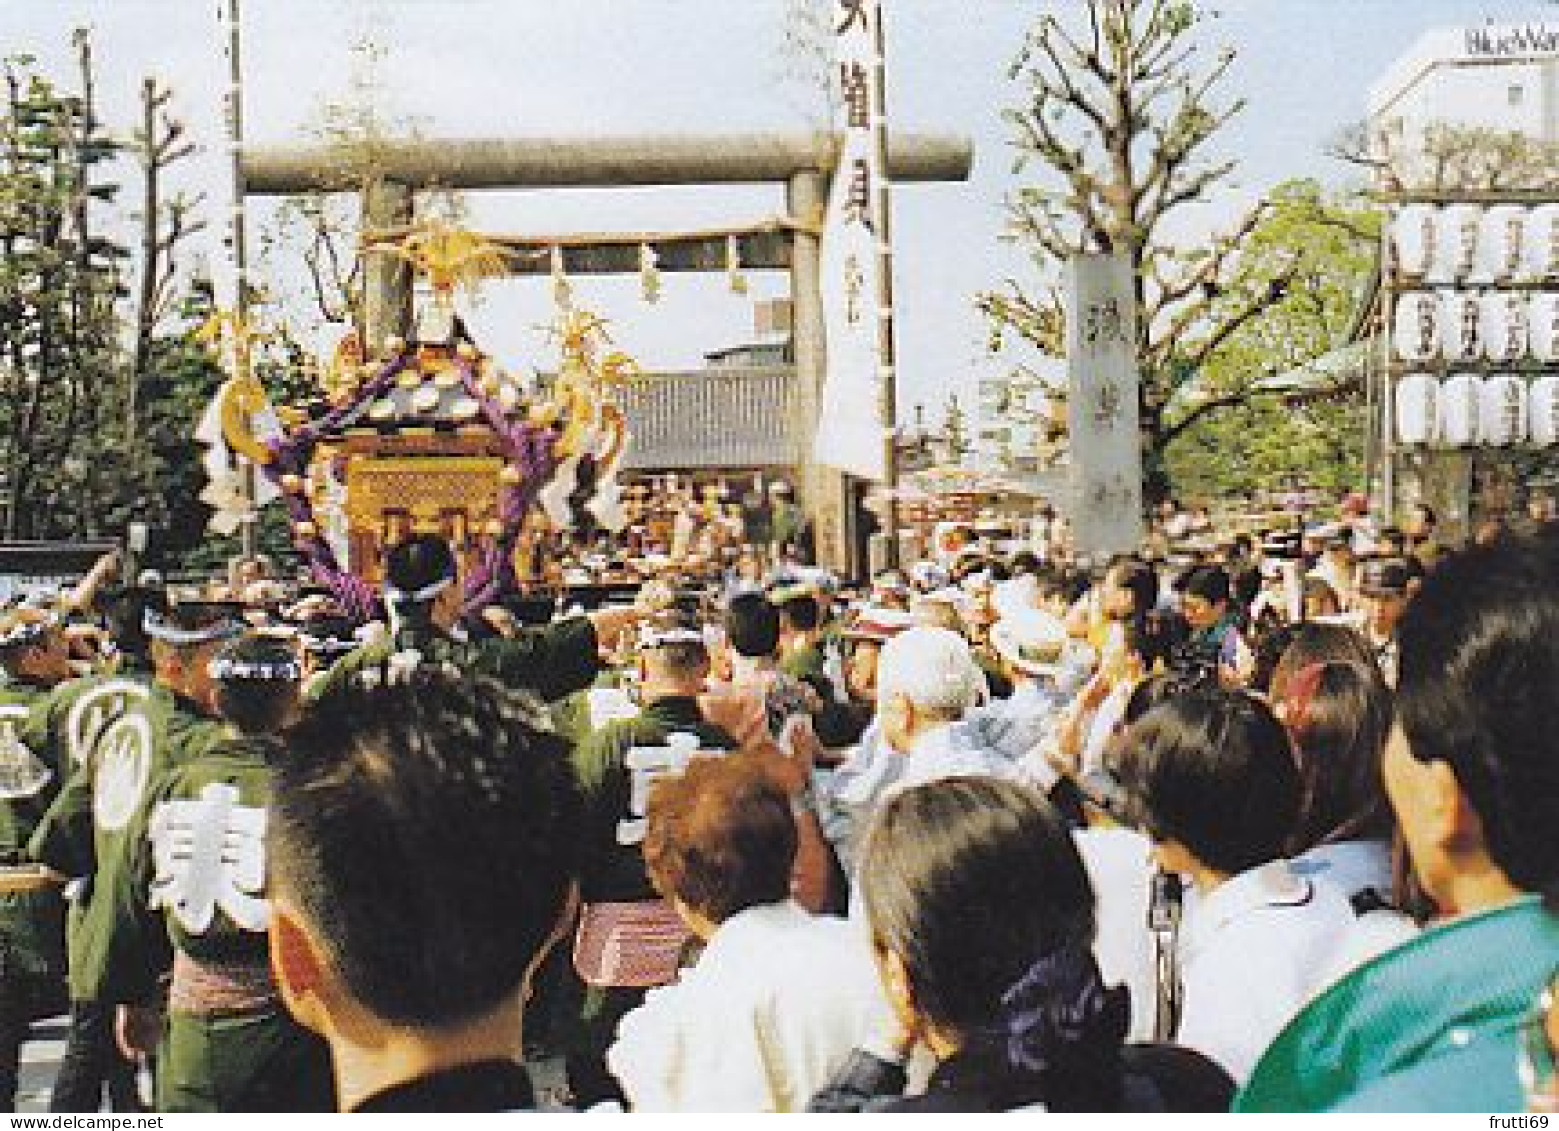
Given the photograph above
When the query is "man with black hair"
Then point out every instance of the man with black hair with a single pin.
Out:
(1216, 647)
(802, 655)
(752, 631)
(1472, 771)
(422, 860)
(192, 907)
(425, 601)
(1210, 776)
(120, 738)
(35, 659)
(1420, 528)
(629, 937)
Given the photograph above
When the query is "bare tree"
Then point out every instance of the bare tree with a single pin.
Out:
(159, 142)
(358, 128)
(1119, 114)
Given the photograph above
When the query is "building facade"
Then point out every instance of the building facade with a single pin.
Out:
(1499, 77)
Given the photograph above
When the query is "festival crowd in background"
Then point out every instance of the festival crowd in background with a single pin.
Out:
(1265, 821)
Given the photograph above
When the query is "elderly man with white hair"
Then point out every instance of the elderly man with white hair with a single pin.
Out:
(928, 683)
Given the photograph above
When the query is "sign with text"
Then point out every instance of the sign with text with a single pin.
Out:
(1106, 446)
(850, 433)
(1511, 41)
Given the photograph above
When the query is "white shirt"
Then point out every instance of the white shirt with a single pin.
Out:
(1354, 866)
(1252, 952)
(775, 1004)
(1017, 727)
(1120, 868)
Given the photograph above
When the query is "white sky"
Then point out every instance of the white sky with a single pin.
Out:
(578, 67)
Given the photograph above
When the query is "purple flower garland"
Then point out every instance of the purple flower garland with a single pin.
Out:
(527, 447)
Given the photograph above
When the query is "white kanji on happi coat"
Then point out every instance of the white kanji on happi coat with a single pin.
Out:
(209, 853)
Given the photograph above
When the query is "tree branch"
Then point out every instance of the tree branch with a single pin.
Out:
(1203, 409)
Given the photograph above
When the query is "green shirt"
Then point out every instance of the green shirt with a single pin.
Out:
(109, 788)
(181, 889)
(1434, 1025)
(79, 711)
(810, 665)
(553, 662)
(789, 520)
(612, 869)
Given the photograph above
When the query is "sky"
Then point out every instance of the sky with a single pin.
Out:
(469, 68)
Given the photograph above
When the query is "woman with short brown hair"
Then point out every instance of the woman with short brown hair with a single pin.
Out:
(778, 997)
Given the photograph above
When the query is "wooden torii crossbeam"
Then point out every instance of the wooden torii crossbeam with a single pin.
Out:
(560, 162)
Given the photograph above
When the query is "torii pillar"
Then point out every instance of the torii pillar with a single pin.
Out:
(802, 162)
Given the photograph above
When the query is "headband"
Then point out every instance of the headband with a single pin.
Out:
(225, 670)
(27, 631)
(326, 644)
(160, 628)
(417, 596)
(665, 637)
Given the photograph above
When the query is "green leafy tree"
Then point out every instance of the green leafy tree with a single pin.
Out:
(1282, 399)
(58, 283)
(1119, 117)
(100, 391)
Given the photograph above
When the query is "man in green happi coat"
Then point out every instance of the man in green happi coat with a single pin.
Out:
(121, 735)
(424, 600)
(616, 765)
(79, 712)
(192, 905)
(36, 659)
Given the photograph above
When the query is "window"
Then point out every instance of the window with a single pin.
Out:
(1515, 95)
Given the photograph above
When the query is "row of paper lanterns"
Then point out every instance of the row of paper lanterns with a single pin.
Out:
(1477, 244)
(1476, 325)
(1466, 409)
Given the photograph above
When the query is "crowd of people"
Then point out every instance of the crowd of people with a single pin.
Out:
(1261, 822)
(702, 534)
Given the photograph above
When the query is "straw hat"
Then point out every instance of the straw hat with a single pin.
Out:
(1031, 640)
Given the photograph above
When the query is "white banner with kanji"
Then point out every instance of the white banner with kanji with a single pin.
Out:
(850, 434)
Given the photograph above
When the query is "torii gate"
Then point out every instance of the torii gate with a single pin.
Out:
(803, 162)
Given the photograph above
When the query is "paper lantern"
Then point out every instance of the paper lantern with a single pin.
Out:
(1415, 405)
(1459, 403)
(1504, 326)
(1415, 329)
(1501, 244)
(1456, 250)
(1502, 410)
(1541, 252)
(1413, 239)
(1543, 411)
(1461, 323)
(1543, 325)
